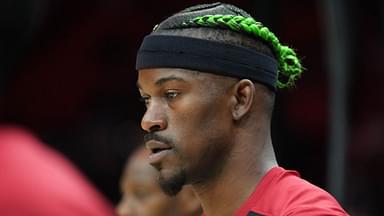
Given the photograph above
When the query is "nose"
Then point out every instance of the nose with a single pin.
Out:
(154, 118)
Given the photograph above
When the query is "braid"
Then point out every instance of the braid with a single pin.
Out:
(289, 64)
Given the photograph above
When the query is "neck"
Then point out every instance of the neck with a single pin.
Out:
(247, 164)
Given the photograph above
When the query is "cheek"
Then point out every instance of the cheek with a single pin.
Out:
(197, 123)
(207, 115)
(157, 205)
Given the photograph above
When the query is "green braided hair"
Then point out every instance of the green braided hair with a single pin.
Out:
(289, 64)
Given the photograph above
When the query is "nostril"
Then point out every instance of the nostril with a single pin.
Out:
(154, 128)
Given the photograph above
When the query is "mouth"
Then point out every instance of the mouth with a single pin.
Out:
(158, 151)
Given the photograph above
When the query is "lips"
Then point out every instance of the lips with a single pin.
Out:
(158, 151)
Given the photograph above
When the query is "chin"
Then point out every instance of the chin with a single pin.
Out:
(172, 182)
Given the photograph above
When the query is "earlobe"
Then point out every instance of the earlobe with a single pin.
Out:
(244, 92)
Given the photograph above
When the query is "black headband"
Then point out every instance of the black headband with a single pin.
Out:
(163, 51)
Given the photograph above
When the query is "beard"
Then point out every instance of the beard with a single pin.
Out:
(173, 185)
(198, 170)
(206, 168)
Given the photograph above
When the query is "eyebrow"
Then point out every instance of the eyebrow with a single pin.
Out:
(164, 80)
(168, 79)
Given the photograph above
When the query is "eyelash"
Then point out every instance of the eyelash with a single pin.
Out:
(172, 94)
(169, 95)
(145, 100)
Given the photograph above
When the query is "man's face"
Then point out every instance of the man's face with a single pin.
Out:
(142, 196)
(189, 123)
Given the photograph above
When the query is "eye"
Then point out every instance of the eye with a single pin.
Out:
(171, 94)
(141, 194)
(145, 100)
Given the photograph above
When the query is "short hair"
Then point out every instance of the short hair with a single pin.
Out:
(226, 23)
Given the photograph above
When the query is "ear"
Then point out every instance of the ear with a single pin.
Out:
(242, 98)
(188, 203)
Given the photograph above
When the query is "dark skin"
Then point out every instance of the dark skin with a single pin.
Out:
(217, 130)
(142, 196)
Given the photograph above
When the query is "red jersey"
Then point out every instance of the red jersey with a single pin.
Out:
(281, 193)
(36, 180)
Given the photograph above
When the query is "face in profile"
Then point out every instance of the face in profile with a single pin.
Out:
(189, 124)
(142, 195)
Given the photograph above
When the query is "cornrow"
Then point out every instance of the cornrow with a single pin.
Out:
(289, 64)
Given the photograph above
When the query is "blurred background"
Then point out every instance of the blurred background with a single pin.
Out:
(67, 74)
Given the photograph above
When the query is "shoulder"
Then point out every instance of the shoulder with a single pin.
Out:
(304, 198)
(288, 194)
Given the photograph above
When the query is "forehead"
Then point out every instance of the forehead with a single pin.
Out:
(153, 75)
(160, 76)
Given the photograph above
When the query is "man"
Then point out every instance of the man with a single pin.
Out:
(36, 180)
(142, 195)
(208, 77)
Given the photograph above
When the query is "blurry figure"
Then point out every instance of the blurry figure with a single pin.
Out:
(143, 196)
(36, 180)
